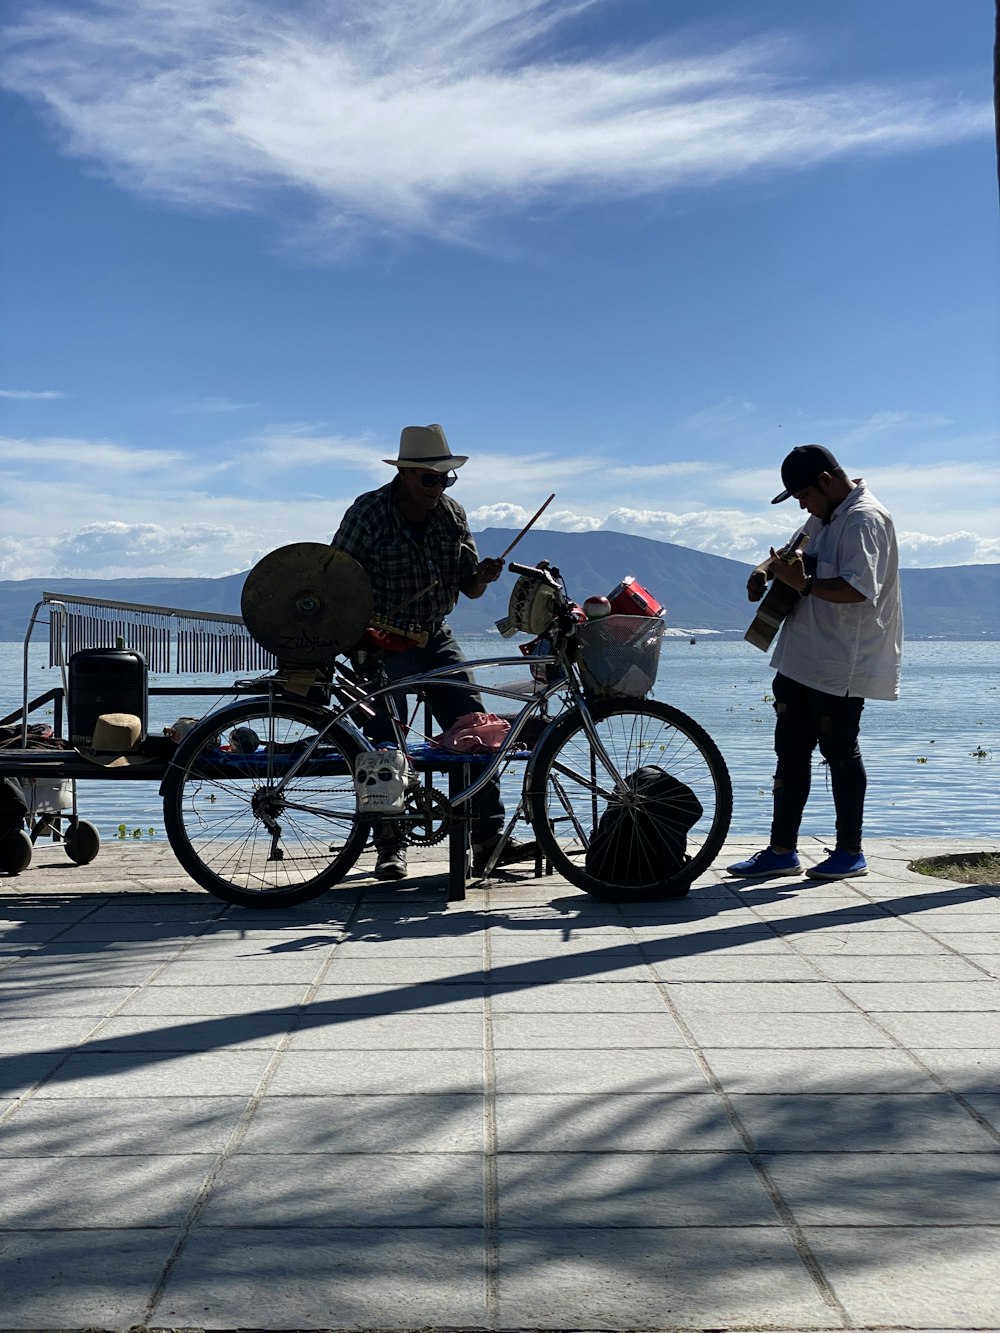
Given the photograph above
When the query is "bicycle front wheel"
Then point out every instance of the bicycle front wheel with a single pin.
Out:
(245, 830)
(643, 828)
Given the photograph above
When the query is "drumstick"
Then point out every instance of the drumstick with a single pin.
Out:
(400, 605)
(531, 522)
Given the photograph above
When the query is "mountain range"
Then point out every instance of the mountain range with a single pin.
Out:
(702, 593)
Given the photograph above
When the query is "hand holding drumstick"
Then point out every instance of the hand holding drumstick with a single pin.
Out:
(489, 570)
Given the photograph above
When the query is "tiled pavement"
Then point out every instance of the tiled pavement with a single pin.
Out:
(761, 1106)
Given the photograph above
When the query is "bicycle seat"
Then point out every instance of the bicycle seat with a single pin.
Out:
(302, 682)
(275, 681)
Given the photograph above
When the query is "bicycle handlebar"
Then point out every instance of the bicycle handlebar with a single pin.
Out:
(562, 620)
(543, 573)
(530, 571)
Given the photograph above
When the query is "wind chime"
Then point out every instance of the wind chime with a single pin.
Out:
(168, 638)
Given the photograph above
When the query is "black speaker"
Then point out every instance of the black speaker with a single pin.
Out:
(105, 680)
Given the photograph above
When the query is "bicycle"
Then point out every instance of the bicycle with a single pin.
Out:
(275, 818)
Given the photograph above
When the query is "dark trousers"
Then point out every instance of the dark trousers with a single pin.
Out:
(804, 719)
(447, 703)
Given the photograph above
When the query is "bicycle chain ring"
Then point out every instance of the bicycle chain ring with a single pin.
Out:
(433, 809)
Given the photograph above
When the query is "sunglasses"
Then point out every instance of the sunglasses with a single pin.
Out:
(442, 479)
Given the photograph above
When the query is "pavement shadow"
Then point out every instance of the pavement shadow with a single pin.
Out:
(138, 947)
(732, 1210)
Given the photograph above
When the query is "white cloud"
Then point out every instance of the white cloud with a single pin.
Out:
(203, 536)
(88, 455)
(112, 511)
(499, 516)
(919, 549)
(569, 520)
(943, 496)
(515, 516)
(31, 395)
(292, 449)
(748, 537)
(119, 524)
(423, 117)
(127, 546)
(728, 532)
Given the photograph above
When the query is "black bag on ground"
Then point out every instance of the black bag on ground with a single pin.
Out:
(647, 843)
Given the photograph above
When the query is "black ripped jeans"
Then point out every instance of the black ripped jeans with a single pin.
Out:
(805, 718)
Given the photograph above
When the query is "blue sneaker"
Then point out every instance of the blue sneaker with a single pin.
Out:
(840, 864)
(767, 865)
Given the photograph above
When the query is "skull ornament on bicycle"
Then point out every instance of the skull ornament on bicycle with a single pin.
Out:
(380, 777)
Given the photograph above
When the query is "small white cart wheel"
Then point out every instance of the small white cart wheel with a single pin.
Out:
(82, 842)
(15, 852)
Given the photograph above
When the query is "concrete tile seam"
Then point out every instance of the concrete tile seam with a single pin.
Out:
(234, 1140)
(786, 1217)
(542, 1225)
(870, 1017)
(491, 1139)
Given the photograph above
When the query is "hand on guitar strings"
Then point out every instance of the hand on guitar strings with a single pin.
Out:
(788, 570)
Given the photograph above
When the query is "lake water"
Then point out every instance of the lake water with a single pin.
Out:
(933, 757)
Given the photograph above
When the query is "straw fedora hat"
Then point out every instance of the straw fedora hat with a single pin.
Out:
(426, 447)
(116, 740)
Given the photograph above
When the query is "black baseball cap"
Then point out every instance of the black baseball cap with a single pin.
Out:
(802, 466)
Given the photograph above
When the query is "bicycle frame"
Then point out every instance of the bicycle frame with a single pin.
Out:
(627, 797)
(570, 684)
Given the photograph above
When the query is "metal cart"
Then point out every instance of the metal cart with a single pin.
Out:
(165, 638)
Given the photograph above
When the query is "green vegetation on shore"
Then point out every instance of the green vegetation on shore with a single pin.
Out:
(966, 867)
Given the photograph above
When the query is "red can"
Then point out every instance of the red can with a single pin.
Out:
(630, 598)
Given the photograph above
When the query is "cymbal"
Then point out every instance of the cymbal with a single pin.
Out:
(307, 602)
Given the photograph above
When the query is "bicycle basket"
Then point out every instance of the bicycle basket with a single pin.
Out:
(619, 655)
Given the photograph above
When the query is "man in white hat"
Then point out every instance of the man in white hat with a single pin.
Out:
(414, 543)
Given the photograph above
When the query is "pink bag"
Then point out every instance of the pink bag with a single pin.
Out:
(474, 733)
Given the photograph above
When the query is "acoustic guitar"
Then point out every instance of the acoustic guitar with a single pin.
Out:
(778, 600)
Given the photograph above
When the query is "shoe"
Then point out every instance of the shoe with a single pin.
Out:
(512, 853)
(840, 864)
(767, 865)
(391, 863)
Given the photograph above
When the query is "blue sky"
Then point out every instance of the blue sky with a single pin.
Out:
(629, 251)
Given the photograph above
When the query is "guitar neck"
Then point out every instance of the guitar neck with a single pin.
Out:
(793, 548)
(787, 553)
(778, 600)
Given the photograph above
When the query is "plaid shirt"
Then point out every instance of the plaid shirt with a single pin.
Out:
(375, 533)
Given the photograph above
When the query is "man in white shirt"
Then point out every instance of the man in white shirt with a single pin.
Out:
(840, 645)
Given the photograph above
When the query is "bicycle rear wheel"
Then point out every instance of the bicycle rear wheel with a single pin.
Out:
(652, 839)
(238, 829)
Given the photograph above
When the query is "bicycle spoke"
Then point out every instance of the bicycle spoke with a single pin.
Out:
(274, 824)
(652, 837)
